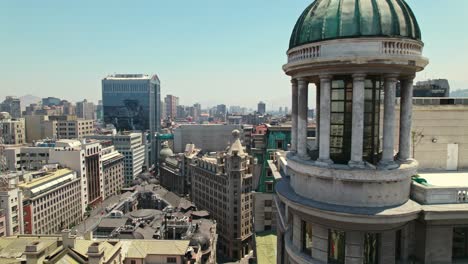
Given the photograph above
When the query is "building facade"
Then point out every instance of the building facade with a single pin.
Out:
(440, 133)
(11, 202)
(11, 105)
(171, 103)
(86, 110)
(131, 146)
(131, 102)
(52, 201)
(210, 138)
(174, 170)
(75, 129)
(347, 198)
(26, 158)
(13, 131)
(40, 127)
(113, 170)
(261, 108)
(430, 88)
(222, 185)
(86, 159)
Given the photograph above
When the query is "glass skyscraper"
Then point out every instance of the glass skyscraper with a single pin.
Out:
(131, 102)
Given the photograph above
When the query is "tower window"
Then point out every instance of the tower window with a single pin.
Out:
(336, 247)
(460, 244)
(342, 117)
(371, 248)
(307, 237)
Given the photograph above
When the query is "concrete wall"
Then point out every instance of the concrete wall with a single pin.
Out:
(260, 209)
(436, 127)
(207, 137)
(438, 245)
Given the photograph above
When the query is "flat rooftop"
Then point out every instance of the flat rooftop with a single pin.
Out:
(48, 177)
(446, 178)
(136, 76)
(266, 247)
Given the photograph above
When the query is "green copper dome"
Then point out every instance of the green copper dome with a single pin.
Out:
(334, 19)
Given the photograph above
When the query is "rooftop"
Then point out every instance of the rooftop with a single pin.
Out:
(266, 247)
(49, 177)
(142, 248)
(128, 77)
(446, 178)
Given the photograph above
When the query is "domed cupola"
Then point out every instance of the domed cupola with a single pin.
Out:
(336, 19)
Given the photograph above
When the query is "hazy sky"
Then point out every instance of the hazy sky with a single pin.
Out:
(207, 51)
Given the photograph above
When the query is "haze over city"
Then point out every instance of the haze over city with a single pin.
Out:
(234, 132)
(206, 51)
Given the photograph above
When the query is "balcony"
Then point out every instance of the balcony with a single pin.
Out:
(342, 185)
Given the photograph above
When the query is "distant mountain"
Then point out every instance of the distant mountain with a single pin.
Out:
(26, 100)
(459, 93)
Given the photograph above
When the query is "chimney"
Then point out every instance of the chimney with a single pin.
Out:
(68, 240)
(33, 252)
(95, 253)
(88, 235)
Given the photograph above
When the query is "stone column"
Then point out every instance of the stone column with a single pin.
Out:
(294, 116)
(387, 247)
(317, 117)
(406, 115)
(357, 133)
(302, 118)
(325, 104)
(389, 122)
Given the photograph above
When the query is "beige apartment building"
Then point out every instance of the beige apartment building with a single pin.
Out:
(440, 133)
(11, 201)
(52, 201)
(222, 185)
(40, 127)
(26, 158)
(85, 159)
(112, 170)
(2, 223)
(13, 131)
(71, 129)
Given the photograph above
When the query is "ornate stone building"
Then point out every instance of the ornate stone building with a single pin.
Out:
(347, 199)
(222, 185)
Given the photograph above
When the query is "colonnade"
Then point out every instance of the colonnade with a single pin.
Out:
(300, 109)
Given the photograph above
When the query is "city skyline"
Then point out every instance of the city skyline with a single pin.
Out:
(64, 50)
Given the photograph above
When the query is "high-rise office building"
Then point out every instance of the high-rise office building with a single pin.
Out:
(171, 105)
(12, 105)
(261, 108)
(51, 101)
(132, 102)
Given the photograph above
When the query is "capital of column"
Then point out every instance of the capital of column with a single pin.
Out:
(294, 81)
(302, 81)
(359, 76)
(391, 78)
(325, 78)
(408, 78)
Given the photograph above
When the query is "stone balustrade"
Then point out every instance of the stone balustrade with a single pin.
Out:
(401, 48)
(307, 52)
(438, 195)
